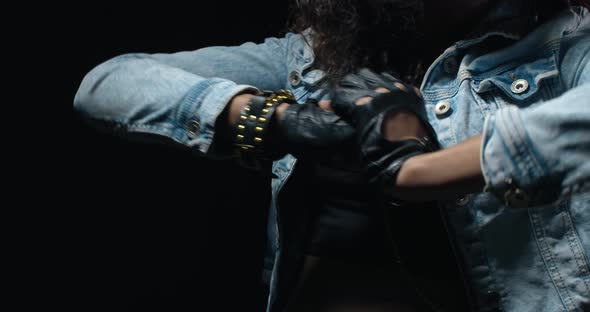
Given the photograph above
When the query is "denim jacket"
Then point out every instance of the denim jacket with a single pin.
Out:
(523, 243)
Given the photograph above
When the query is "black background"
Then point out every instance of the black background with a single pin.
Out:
(146, 227)
(153, 228)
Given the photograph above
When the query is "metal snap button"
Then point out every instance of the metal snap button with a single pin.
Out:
(442, 108)
(519, 86)
(450, 65)
(193, 128)
(294, 78)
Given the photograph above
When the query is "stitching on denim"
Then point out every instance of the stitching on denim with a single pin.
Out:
(453, 133)
(498, 176)
(579, 71)
(122, 125)
(507, 141)
(490, 280)
(549, 260)
(548, 49)
(526, 155)
(531, 156)
(484, 106)
(575, 244)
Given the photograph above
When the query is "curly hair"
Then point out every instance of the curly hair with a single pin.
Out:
(347, 34)
(379, 34)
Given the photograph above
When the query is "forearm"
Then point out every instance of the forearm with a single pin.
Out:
(516, 149)
(444, 174)
(179, 97)
(140, 98)
(540, 151)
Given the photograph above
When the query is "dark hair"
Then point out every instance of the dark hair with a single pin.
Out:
(348, 34)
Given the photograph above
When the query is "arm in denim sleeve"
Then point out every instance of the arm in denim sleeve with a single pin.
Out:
(178, 97)
(543, 149)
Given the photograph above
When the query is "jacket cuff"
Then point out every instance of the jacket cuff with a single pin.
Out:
(509, 162)
(200, 109)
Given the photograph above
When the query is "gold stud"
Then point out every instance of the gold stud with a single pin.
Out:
(259, 129)
(252, 117)
(257, 140)
(247, 109)
(240, 137)
(261, 120)
(242, 117)
(265, 111)
(241, 127)
(269, 104)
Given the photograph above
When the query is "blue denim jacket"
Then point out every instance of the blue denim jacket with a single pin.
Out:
(523, 243)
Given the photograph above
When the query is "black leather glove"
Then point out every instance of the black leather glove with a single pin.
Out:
(305, 130)
(308, 131)
(382, 158)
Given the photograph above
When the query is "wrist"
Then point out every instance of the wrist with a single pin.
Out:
(255, 123)
(410, 172)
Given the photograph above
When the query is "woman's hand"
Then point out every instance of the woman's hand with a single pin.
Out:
(397, 125)
(390, 121)
(308, 129)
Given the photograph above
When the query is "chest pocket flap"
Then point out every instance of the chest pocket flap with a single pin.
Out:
(523, 83)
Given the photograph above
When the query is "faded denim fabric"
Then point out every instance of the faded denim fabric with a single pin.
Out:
(523, 244)
(526, 247)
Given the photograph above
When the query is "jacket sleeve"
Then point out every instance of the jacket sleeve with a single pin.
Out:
(534, 155)
(178, 97)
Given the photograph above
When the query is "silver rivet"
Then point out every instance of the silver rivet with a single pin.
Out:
(442, 107)
(193, 128)
(450, 65)
(519, 86)
(294, 78)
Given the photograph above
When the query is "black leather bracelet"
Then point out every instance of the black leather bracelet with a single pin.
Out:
(251, 135)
